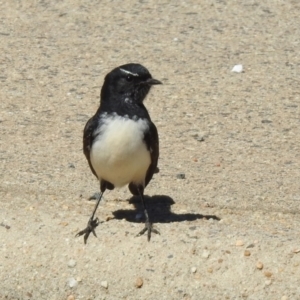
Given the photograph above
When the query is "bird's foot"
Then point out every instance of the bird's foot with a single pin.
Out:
(149, 228)
(92, 224)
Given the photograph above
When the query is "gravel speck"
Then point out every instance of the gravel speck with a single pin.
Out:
(104, 284)
(239, 243)
(139, 282)
(200, 137)
(96, 196)
(205, 254)
(139, 216)
(72, 263)
(268, 282)
(268, 274)
(72, 282)
(259, 265)
(180, 176)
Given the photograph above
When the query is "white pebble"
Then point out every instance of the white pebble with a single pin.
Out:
(193, 269)
(268, 282)
(72, 282)
(205, 254)
(104, 284)
(72, 263)
(237, 69)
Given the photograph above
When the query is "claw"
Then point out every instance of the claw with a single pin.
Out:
(92, 224)
(149, 228)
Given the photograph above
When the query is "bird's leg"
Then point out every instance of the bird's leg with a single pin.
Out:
(148, 225)
(92, 223)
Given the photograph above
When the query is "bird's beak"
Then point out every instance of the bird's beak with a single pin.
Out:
(152, 81)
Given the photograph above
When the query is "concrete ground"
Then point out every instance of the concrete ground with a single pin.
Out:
(226, 200)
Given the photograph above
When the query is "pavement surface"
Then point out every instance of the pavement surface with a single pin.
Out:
(226, 200)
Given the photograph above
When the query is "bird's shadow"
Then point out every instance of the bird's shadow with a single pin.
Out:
(159, 210)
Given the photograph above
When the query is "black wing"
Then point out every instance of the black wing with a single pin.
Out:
(151, 140)
(88, 138)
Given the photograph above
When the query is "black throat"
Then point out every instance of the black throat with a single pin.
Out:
(127, 104)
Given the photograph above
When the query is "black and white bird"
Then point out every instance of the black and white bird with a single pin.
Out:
(120, 141)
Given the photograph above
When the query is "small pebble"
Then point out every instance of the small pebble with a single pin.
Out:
(72, 282)
(139, 216)
(4, 225)
(268, 274)
(193, 269)
(247, 253)
(266, 121)
(180, 176)
(139, 282)
(259, 265)
(71, 297)
(239, 243)
(72, 263)
(193, 250)
(96, 196)
(284, 298)
(205, 254)
(108, 218)
(199, 137)
(104, 284)
(268, 282)
(237, 69)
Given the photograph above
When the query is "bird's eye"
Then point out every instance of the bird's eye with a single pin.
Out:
(129, 78)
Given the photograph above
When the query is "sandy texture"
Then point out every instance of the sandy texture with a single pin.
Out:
(230, 229)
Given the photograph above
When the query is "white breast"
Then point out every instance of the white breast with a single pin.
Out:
(119, 154)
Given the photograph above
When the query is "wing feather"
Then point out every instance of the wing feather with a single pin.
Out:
(88, 139)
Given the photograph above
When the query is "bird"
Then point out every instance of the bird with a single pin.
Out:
(120, 142)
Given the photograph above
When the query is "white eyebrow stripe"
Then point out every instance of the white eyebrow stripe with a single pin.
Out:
(127, 72)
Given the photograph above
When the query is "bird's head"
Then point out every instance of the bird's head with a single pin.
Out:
(128, 83)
